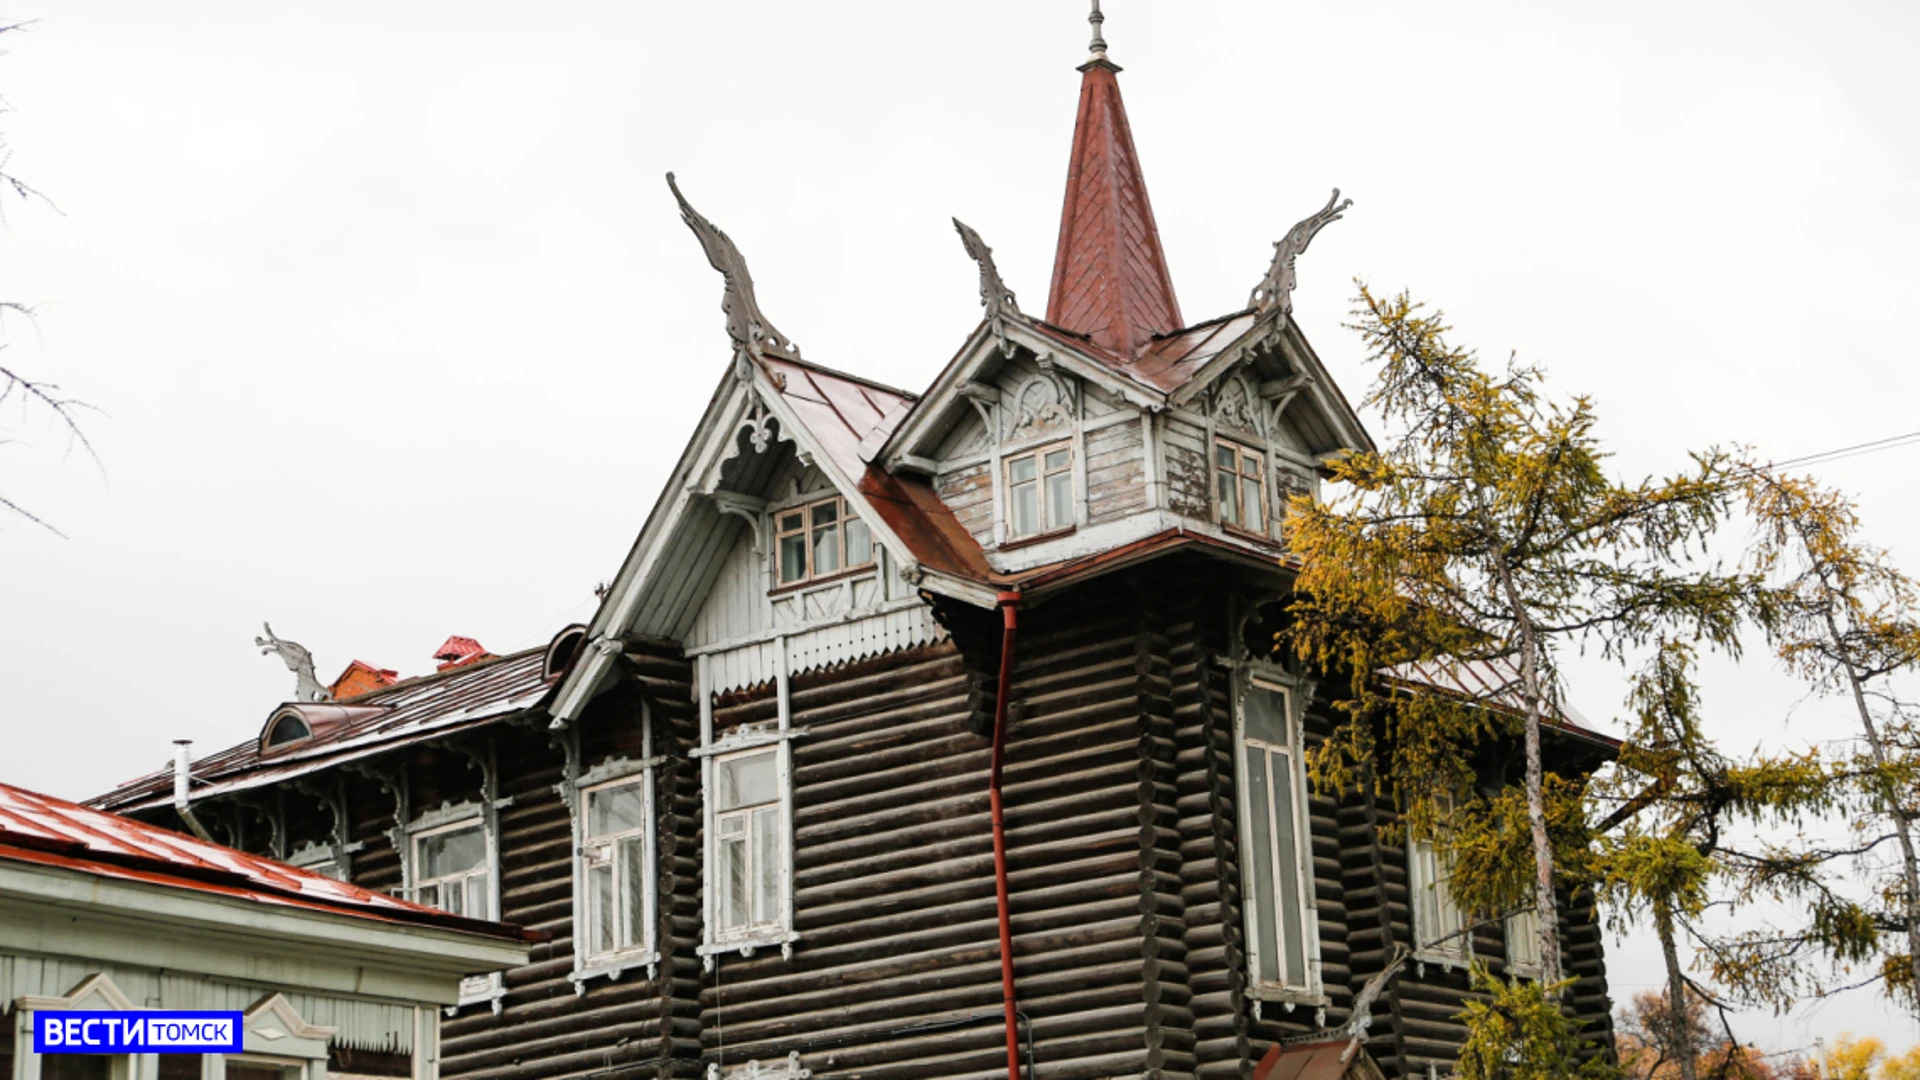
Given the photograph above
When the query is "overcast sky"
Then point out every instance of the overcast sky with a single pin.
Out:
(396, 332)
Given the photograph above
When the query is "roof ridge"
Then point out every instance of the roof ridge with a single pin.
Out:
(823, 369)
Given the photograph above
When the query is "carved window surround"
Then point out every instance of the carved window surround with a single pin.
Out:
(572, 789)
(779, 735)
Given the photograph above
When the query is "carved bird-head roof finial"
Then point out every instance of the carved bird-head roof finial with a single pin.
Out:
(753, 336)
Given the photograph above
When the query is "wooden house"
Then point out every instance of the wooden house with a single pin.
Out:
(930, 735)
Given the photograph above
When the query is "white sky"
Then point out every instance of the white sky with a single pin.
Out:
(397, 332)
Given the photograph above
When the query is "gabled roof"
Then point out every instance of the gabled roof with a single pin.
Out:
(44, 831)
(1110, 278)
(452, 700)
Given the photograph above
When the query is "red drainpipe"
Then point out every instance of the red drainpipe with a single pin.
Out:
(1010, 620)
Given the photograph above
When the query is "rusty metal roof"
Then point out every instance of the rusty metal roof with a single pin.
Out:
(1495, 684)
(458, 698)
(1110, 277)
(45, 831)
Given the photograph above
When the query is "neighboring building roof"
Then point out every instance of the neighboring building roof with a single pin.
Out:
(1329, 1059)
(1110, 277)
(457, 698)
(359, 678)
(45, 831)
(1495, 684)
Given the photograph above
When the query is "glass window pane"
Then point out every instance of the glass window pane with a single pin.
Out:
(1020, 468)
(1291, 916)
(79, 1066)
(1057, 459)
(428, 895)
(1025, 509)
(859, 543)
(1265, 715)
(793, 558)
(1256, 865)
(1059, 500)
(733, 883)
(1250, 499)
(479, 904)
(453, 898)
(1223, 456)
(826, 513)
(766, 864)
(747, 780)
(615, 809)
(1228, 486)
(791, 522)
(1426, 908)
(826, 549)
(599, 909)
(632, 862)
(451, 852)
(1249, 465)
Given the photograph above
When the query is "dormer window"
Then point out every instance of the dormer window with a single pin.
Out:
(288, 729)
(820, 539)
(1239, 485)
(1040, 491)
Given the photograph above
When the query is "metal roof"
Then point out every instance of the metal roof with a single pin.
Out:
(42, 830)
(458, 698)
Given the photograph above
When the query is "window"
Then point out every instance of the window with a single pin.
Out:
(288, 729)
(614, 859)
(819, 540)
(451, 870)
(1040, 491)
(749, 844)
(1281, 940)
(1439, 928)
(1523, 944)
(1238, 487)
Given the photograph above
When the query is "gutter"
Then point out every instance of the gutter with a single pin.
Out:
(182, 776)
(1010, 621)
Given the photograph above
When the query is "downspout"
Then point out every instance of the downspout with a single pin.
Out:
(182, 802)
(1010, 621)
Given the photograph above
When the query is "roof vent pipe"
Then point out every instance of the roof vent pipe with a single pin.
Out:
(182, 802)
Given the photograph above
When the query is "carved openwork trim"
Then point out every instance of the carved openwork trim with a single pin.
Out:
(1275, 291)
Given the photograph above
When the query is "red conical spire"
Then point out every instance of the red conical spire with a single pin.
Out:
(1109, 275)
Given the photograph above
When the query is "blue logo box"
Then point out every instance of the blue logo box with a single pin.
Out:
(154, 1031)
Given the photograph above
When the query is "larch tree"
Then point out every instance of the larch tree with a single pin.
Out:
(1676, 842)
(1841, 616)
(1487, 536)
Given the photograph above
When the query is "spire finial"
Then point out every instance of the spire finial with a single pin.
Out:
(1098, 46)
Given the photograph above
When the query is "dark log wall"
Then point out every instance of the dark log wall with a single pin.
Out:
(1122, 835)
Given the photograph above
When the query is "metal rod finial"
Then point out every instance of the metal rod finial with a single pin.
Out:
(1099, 43)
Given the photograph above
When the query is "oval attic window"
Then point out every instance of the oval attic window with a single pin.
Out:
(288, 729)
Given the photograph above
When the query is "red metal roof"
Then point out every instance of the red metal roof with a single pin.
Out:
(462, 697)
(42, 830)
(1110, 278)
(459, 651)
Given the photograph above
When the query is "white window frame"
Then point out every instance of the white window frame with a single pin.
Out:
(1524, 925)
(490, 894)
(1432, 902)
(577, 790)
(804, 508)
(1043, 507)
(1263, 677)
(745, 739)
(474, 989)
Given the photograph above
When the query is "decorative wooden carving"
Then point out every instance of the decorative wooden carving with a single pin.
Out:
(1233, 407)
(1038, 408)
(1275, 291)
(298, 660)
(994, 294)
(750, 331)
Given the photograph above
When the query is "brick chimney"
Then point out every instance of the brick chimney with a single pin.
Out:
(361, 678)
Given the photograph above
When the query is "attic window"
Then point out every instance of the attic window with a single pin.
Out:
(1238, 488)
(820, 539)
(287, 729)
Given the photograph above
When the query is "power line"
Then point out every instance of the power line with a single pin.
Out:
(1892, 442)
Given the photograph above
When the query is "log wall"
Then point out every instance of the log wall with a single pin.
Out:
(1124, 870)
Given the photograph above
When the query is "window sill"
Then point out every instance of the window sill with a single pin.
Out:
(1249, 534)
(1442, 958)
(1289, 999)
(747, 944)
(611, 968)
(800, 586)
(1037, 538)
(496, 989)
